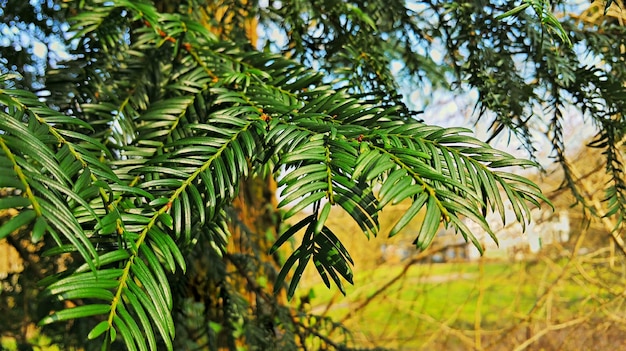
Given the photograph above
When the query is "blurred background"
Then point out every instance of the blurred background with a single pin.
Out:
(557, 284)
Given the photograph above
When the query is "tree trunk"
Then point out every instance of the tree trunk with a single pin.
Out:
(221, 295)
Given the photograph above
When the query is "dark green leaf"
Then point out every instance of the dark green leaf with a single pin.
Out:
(22, 219)
(76, 312)
(291, 232)
(415, 207)
(98, 330)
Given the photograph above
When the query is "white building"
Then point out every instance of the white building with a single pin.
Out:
(545, 228)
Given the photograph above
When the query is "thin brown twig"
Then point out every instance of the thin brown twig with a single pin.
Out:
(548, 329)
(539, 302)
(479, 301)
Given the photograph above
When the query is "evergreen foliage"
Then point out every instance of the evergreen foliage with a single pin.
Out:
(135, 148)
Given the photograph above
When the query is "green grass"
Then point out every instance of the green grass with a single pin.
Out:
(430, 298)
